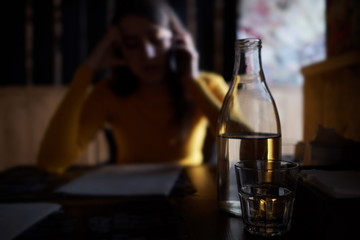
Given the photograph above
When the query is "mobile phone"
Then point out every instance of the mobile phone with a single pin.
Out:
(174, 59)
(173, 62)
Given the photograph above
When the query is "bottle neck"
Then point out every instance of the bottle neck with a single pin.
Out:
(248, 63)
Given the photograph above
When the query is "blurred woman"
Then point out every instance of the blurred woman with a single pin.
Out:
(155, 100)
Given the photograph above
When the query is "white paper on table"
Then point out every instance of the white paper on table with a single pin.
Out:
(17, 217)
(339, 184)
(125, 180)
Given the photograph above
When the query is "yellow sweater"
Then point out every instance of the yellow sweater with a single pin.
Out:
(142, 123)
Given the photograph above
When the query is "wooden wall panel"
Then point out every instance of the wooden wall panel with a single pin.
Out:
(332, 96)
(13, 37)
(43, 42)
(24, 114)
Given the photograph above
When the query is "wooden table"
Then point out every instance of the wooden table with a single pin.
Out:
(189, 213)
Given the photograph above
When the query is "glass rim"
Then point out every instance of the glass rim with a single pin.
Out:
(248, 42)
(290, 165)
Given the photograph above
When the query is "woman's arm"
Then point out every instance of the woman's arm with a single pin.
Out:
(62, 143)
(208, 91)
(78, 117)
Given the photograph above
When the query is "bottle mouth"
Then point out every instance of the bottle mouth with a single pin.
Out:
(247, 43)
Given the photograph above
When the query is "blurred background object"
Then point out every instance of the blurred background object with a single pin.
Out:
(329, 148)
(331, 87)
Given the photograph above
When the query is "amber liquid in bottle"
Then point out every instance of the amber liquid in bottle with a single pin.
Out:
(233, 149)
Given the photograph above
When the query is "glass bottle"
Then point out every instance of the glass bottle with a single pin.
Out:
(248, 125)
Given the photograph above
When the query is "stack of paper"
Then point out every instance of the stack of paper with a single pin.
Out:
(126, 180)
(16, 218)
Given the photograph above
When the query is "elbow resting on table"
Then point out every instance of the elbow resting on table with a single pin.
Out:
(54, 161)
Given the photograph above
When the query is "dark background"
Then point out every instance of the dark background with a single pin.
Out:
(83, 23)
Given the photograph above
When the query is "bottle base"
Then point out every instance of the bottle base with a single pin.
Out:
(231, 207)
(267, 231)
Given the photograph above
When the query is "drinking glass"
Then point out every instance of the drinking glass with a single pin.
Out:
(267, 194)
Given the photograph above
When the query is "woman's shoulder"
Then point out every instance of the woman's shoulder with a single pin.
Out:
(211, 79)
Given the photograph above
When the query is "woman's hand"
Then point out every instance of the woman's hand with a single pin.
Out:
(104, 55)
(187, 55)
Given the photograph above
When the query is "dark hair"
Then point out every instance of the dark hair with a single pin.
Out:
(160, 13)
(157, 11)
